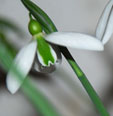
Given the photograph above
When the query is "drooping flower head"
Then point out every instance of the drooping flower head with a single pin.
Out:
(42, 53)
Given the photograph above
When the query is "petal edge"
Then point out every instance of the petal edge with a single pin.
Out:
(75, 40)
(23, 62)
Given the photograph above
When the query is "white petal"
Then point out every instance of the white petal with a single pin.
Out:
(109, 29)
(75, 40)
(105, 26)
(23, 62)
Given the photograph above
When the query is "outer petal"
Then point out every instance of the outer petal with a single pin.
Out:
(23, 62)
(105, 25)
(75, 40)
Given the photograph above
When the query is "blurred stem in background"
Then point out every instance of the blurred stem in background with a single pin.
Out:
(7, 54)
(7, 25)
(3, 40)
(49, 27)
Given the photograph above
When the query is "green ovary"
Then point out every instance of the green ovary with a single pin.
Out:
(45, 51)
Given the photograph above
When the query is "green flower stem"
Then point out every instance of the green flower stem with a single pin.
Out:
(42, 105)
(38, 100)
(49, 27)
(86, 84)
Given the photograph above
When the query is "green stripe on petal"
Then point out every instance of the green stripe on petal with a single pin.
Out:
(45, 52)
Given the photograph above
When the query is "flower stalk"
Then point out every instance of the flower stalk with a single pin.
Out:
(49, 27)
(86, 84)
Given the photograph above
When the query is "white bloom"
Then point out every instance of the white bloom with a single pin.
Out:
(47, 56)
(45, 62)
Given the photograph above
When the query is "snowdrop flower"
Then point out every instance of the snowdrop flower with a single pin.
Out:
(42, 54)
(38, 53)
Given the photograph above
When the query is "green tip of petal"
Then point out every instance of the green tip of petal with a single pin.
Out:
(45, 52)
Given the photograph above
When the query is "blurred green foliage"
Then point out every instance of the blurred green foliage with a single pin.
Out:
(7, 54)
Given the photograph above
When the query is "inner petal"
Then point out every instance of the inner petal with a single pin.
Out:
(46, 54)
